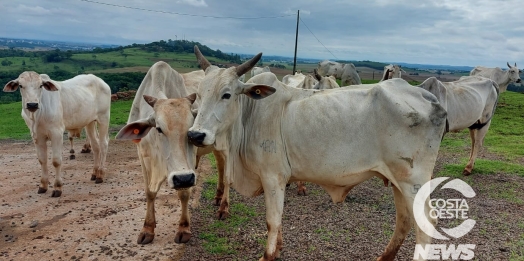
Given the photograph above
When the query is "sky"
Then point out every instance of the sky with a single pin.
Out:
(443, 32)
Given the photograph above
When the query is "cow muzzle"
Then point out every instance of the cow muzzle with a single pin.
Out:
(183, 181)
(518, 80)
(196, 138)
(32, 106)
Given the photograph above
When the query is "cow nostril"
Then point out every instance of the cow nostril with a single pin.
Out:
(183, 181)
(32, 106)
(196, 137)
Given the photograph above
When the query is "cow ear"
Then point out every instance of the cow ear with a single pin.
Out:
(192, 98)
(258, 91)
(150, 100)
(134, 131)
(50, 86)
(11, 86)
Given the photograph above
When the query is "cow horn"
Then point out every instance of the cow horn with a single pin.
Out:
(317, 76)
(248, 65)
(508, 65)
(204, 63)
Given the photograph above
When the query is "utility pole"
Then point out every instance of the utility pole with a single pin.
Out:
(296, 42)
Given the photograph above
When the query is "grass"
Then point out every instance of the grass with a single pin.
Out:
(12, 125)
(100, 62)
(240, 215)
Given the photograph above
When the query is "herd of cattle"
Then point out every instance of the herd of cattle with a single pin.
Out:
(250, 127)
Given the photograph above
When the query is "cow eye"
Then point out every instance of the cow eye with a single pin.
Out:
(226, 96)
(159, 130)
(20, 85)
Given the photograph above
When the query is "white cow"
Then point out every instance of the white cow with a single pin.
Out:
(51, 107)
(392, 71)
(242, 78)
(300, 80)
(347, 73)
(158, 121)
(470, 103)
(324, 82)
(399, 126)
(502, 78)
(258, 70)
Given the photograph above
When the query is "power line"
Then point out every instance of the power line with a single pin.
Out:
(318, 39)
(175, 13)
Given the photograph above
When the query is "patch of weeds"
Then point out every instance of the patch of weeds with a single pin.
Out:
(517, 249)
(387, 230)
(482, 167)
(216, 245)
(506, 191)
(210, 186)
(324, 233)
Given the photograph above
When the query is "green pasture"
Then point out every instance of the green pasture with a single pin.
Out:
(100, 62)
(12, 125)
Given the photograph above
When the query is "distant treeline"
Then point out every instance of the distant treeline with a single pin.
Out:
(117, 81)
(178, 46)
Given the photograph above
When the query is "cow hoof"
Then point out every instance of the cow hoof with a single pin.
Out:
(85, 151)
(41, 190)
(98, 180)
(221, 215)
(56, 193)
(182, 237)
(72, 157)
(93, 177)
(72, 151)
(145, 238)
(466, 172)
(217, 201)
(302, 193)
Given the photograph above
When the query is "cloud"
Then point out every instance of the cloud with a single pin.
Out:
(197, 3)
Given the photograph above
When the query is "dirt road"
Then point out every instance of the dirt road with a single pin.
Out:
(90, 221)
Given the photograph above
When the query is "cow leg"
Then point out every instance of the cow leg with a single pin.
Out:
(87, 146)
(71, 150)
(274, 192)
(103, 141)
(41, 153)
(477, 139)
(402, 227)
(56, 145)
(184, 229)
(220, 160)
(152, 183)
(92, 134)
(301, 188)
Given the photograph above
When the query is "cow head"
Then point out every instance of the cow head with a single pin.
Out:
(514, 73)
(325, 82)
(167, 127)
(31, 85)
(219, 94)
